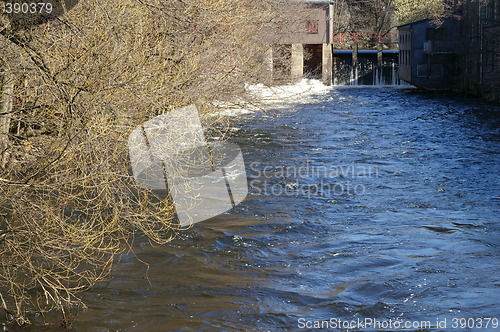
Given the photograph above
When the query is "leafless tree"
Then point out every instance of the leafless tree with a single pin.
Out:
(72, 89)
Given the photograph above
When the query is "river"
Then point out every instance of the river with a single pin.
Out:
(376, 203)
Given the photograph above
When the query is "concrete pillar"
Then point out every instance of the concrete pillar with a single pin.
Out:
(354, 72)
(379, 55)
(297, 62)
(335, 67)
(380, 58)
(355, 55)
(327, 64)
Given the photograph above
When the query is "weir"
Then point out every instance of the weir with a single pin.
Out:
(337, 67)
(365, 67)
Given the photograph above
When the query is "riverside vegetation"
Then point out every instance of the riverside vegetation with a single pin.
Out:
(71, 91)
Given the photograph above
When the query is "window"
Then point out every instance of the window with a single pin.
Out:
(312, 26)
(422, 71)
(404, 57)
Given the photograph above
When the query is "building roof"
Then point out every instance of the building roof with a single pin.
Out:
(413, 23)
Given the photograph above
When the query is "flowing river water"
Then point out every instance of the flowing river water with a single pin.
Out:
(366, 203)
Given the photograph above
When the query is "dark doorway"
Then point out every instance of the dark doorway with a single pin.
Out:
(313, 54)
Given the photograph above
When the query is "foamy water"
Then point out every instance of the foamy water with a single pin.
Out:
(260, 97)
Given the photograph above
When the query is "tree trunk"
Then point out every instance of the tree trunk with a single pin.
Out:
(6, 92)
